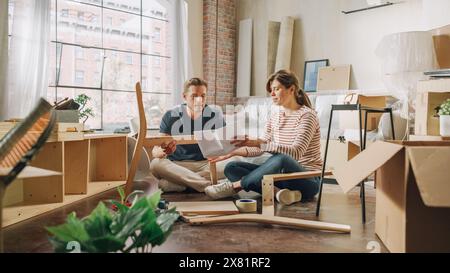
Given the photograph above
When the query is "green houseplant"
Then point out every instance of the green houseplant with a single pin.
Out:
(84, 113)
(128, 227)
(444, 118)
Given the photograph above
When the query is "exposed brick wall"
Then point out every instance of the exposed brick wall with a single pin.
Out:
(226, 50)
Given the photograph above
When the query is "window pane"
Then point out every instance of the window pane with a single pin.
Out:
(133, 6)
(155, 38)
(154, 8)
(51, 95)
(119, 109)
(94, 103)
(122, 31)
(122, 71)
(155, 107)
(53, 63)
(158, 73)
(79, 23)
(80, 66)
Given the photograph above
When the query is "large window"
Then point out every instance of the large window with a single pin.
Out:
(102, 48)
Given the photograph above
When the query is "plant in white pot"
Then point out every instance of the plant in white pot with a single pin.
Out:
(444, 118)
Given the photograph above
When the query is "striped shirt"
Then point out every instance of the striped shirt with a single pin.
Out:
(296, 134)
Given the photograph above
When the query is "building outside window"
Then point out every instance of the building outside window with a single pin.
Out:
(112, 63)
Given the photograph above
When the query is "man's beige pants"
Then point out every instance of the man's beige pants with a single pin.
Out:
(192, 174)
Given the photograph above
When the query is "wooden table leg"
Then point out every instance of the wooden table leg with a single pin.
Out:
(213, 170)
(268, 207)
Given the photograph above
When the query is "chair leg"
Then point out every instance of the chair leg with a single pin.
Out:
(324, 164)
(392, 124)
(363, 202)
(362, 194)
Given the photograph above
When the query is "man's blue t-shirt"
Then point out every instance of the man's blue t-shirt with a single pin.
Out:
(177, 122)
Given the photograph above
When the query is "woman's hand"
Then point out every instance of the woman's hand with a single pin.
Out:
(246, 142)
(220, 158)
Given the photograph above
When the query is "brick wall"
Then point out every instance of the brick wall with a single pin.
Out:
(226, 50)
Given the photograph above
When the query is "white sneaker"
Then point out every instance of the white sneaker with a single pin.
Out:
(287, 197)
(167, 186)
(220, 191)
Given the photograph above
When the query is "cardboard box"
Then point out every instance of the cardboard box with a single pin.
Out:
(431, 94)
(350, 119)
(412, 195)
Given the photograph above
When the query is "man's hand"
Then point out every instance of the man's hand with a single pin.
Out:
(169, 147)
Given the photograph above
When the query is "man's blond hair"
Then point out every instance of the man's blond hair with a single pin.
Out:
(194, 82)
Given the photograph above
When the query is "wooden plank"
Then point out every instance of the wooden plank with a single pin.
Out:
(159, 140)
(26, 210)
(103, 136)
(428, 138)
(205, 208)
(301, 175)
(30, 172)
(272, 220)
(213, 171)
(110, 159)
(76, 155)
(268, 205)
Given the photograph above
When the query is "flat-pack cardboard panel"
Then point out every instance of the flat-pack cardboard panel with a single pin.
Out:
(351, 173)
(442, 47)
(441, 37)
(427, 228)
(390, 218)
(334, 78)
(337, 153)
(432, 174)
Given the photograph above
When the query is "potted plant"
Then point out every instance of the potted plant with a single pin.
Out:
(84, 112)
(444, 118)
(132, 227)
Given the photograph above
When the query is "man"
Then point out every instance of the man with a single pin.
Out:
(182, 166)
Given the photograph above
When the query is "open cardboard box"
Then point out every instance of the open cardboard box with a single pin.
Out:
(412, 195)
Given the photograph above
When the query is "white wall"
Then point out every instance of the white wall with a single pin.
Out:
(195, 30)
(322, 31)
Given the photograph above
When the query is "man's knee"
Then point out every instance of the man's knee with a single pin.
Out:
(157, 164)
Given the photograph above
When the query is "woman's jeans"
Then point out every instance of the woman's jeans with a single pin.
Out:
(251, 175)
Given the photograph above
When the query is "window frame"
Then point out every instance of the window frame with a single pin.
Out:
(104, 25)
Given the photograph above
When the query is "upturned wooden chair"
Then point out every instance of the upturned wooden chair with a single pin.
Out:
(20, 145)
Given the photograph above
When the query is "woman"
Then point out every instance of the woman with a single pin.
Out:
(292, 136)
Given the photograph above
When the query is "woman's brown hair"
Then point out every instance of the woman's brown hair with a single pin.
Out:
(289, 79)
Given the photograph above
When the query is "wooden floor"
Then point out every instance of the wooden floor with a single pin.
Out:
(30, 236)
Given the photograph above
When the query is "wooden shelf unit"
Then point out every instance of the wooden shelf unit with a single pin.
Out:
(87, 167)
